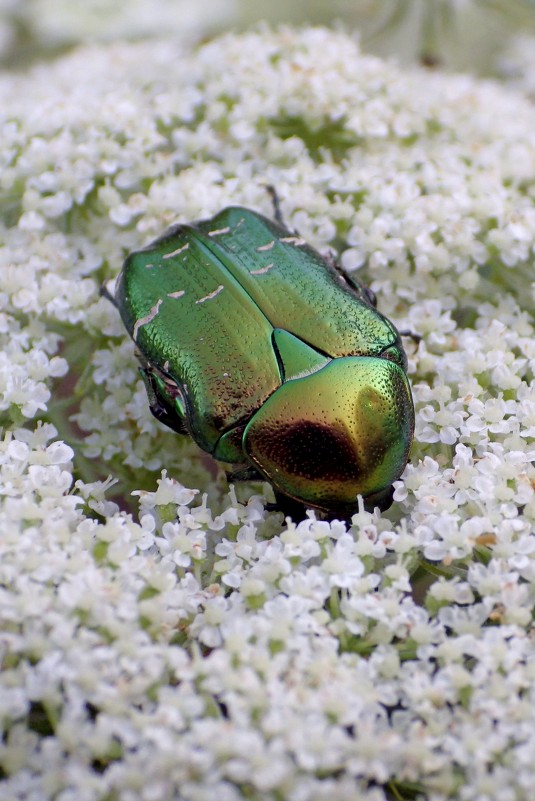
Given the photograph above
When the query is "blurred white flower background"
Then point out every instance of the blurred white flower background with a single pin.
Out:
(164, 637)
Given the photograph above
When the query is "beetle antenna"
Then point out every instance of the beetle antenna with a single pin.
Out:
(277, 213)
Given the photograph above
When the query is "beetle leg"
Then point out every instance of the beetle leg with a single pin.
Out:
(416, 338)
(104, 292)
(277, 213)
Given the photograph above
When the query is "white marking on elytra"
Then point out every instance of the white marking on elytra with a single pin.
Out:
(176, 294)
(218, 231)
(266, 247)
(147, 319)
(262, 270)
(149, 266)
(213, 294)
(176, 252)
(310, 371)
(240, 222)
(166, 365)
(293, 240)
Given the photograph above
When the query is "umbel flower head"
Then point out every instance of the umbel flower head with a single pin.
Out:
(166, 638)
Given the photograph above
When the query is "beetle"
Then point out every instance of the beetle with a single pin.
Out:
(272, 359)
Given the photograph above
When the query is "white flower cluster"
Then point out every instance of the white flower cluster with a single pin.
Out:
(212, 650)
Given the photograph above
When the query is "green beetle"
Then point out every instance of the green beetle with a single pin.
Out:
(271, 359)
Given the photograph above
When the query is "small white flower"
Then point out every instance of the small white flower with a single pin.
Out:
(212, 645)
(169, 492)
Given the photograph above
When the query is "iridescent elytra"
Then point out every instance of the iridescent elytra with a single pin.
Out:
(272, 359)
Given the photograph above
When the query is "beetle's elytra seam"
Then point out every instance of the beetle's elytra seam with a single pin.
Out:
(147, 319)
(213, 294)
(262, 270)
(176, 252)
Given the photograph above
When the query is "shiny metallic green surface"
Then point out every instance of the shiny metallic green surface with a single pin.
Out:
(242, 327)
(342, 431)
